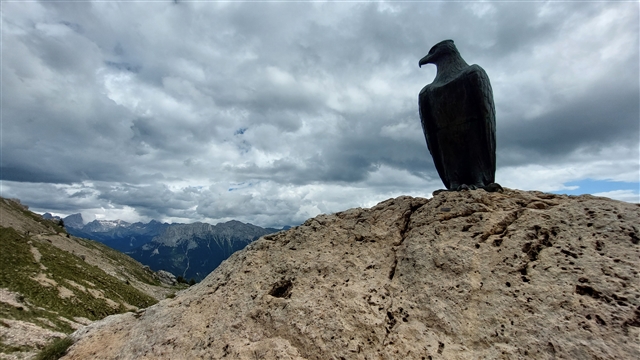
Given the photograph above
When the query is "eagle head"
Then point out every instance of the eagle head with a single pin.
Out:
(438, 52)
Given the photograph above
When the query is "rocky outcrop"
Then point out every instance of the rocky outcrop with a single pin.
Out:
(74, 221)
(464, 275)
(166, 277)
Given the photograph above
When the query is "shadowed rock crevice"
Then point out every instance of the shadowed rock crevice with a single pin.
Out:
(392, 272)
(281, 289)
(404, 228)
(500, 228)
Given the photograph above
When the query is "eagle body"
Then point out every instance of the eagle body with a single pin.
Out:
(458, 119)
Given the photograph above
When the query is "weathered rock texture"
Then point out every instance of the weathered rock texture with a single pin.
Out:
(465, 275)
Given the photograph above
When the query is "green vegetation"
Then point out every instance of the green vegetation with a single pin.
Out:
(182, 280)
(8, 349)
(124, 261)
(55, 350)
(87, 287)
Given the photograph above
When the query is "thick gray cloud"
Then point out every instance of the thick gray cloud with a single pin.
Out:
(273, 112)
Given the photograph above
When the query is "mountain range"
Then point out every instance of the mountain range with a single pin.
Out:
(191, 251)
(117, 234)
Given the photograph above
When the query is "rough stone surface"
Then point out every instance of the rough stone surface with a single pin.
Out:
(465, 275)
(166, 277)
(24, 333)
(17, 333)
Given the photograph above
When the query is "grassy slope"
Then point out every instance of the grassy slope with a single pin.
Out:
(75, 289)
(19, 271)
(128, 267)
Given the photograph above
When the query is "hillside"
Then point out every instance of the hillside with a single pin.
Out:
(464, 275)
(52, 284)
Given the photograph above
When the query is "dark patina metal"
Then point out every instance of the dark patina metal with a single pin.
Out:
(458, 119)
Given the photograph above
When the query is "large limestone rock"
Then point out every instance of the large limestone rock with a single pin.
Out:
(465, 275)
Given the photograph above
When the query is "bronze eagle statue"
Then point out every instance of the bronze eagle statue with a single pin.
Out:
(458, 119)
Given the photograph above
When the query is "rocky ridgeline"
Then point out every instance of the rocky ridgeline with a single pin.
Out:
(464, 275)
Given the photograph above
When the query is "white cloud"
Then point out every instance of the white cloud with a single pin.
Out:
(614, 163)
(155, 110)
(622, 195)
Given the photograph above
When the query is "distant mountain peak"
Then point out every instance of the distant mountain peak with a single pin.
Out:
(104, 225)
(49, 216)
(74, 221)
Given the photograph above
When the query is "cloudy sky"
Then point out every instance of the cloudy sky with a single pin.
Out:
(274, 112)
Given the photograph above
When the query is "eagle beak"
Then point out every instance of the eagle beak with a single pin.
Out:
(424, 60)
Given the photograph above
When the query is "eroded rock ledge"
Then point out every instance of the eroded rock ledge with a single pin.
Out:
(461, 276)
